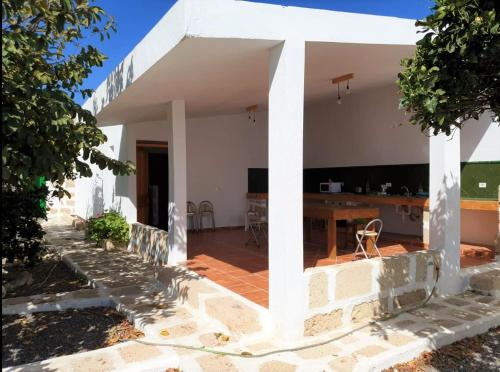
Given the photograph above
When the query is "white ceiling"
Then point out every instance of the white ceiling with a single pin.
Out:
(223, 76)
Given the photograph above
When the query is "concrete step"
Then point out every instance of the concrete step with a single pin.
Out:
(237, 314)
(487, 282)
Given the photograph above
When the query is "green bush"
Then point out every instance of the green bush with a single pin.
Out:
(22, 233)
(111, 225)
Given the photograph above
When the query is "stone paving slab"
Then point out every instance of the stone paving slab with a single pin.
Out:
(166, 320)
(371, 347)
(129, 355)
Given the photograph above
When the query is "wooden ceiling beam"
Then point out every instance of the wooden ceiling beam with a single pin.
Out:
(251, 108)
(342, 78)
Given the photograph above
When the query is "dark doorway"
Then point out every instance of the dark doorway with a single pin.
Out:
(158, 189)
(152, 183)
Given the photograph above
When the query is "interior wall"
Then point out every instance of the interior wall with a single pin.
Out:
(219, 152)
(363, 130)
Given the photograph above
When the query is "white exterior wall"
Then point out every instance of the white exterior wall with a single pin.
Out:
(362, 130)
(104, 190)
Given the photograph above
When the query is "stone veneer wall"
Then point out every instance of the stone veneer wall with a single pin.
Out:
(361, 290)
(149, 242)
(65, 207)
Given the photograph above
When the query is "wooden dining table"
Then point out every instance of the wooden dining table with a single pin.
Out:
(334, 213)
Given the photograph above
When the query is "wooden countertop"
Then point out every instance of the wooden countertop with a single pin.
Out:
(320, 210)
(469, 204)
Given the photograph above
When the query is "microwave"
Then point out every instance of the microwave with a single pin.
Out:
(330, 186)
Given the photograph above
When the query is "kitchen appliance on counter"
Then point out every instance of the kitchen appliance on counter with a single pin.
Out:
(330, 187)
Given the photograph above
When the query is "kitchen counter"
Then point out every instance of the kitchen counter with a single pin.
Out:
(415, 201)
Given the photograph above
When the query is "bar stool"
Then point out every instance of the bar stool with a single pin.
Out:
(192, 215)
(206, 209)
(371, 232)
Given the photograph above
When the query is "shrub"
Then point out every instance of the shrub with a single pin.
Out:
(22, 233)
(111, 225)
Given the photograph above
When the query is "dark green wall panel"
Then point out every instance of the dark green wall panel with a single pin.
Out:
(410, 175)
(474, 173)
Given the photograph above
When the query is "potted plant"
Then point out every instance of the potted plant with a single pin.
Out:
(110, 230)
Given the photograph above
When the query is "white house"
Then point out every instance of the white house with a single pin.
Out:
(185, 97)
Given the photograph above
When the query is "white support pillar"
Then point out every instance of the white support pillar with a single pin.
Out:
(177, 234)
(286, 111)
(444, 208)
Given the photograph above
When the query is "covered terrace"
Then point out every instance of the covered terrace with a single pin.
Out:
(189, 83)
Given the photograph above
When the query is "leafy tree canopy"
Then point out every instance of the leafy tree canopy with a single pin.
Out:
(455, 72)
(45, 58)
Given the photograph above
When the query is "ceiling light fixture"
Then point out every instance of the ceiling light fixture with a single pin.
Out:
(251, 113)
(339, 79)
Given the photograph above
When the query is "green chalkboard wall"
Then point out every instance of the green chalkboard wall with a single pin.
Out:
(410, 175)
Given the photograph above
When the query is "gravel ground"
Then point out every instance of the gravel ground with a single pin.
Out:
(61, 279)
(39, 336)
(480, 353)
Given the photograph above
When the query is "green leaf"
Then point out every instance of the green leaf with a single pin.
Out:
(439, 85)
(431, 104)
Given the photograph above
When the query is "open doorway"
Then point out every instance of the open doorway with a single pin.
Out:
(152, 183)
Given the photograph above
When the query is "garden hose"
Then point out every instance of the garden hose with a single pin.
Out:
(59, 256)
(39, 285)
(246, 354)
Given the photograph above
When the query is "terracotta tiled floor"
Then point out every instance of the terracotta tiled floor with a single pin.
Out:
(223, 257)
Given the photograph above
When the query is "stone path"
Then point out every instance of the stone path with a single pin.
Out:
(194, 311)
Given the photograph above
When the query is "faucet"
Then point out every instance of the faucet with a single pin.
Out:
(406, 191)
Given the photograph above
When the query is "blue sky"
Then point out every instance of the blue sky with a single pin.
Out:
(136, 17)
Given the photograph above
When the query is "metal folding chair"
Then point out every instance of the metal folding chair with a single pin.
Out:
(257, 225)
(371, 231)
(192, 215)
(206, 209)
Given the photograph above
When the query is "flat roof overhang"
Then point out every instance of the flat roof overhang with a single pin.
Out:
(214, 55)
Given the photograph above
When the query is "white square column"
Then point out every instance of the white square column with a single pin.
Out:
(177, 233)
(286, 112)
(444, 208)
